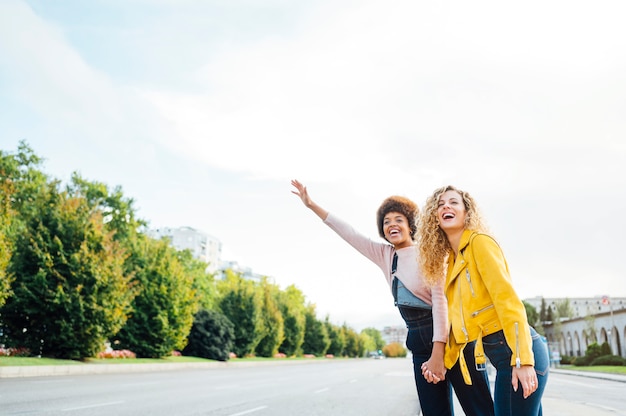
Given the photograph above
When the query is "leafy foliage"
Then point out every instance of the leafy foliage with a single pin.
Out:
(376, 336)
(273, 332)
(76, 269)
(593, 352)
(609, 360)
(211, 336)
(291, 303)
(164, 307)
(394, 350)
(337, 338)
(70, 290)
(241, 304)
(316, 339)
(531, 314)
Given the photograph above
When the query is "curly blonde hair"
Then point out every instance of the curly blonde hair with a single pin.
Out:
(434, 246)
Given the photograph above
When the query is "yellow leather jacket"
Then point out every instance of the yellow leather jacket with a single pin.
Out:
(482, 301)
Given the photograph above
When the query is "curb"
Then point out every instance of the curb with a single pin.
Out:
(604, 376)
(81, 369)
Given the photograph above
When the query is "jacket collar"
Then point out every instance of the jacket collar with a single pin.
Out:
(459, 260)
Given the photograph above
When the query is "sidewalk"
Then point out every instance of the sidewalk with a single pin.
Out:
(590, 374)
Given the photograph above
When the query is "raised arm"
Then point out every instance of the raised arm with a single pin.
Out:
(307, 201)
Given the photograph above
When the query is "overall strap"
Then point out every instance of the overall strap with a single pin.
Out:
(394, 284)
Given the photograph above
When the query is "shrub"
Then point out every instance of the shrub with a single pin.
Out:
(581, 361)
(212, 335)
(593, 352)
(394, 350)
(609, 360)
(567, 359)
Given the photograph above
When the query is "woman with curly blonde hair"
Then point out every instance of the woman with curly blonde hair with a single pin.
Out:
(484, 310)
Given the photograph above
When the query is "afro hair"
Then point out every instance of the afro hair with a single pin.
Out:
(402, 205)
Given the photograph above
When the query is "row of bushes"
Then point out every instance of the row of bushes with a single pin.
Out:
(596, 355)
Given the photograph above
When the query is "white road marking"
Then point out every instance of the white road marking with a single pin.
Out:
(322, 390)
(69, 409)
(245, 412)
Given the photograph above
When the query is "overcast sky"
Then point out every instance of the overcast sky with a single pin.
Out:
(202, 111)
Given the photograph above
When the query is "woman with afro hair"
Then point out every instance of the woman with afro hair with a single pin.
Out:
(422, 306)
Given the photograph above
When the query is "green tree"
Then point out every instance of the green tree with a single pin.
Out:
(165, 305)
(6, 240)
(241, 303)
(316, 340)
(118, 212)
(376, 336)
(367, 342)
(337, 338)
(590, 326)
(70, 289)
(353, 346)
(292, 307)
(211, 336)
(272, 332)
(203, 282)
(564, 309)
(543, 312)
(21, 180)
(531, 314)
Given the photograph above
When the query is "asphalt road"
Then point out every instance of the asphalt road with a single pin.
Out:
(364, 387)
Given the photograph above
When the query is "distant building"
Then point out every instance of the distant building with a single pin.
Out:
(397, 334)
(594, 320)
(245, 272)
(581, 307)
(202, 246)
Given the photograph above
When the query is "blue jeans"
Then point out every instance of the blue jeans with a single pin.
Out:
(435, 399)
(476, 399)
(508, 402)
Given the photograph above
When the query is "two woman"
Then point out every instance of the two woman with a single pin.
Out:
(484, 309)
(422, 306)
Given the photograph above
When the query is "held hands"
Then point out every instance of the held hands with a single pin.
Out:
(433, 370)
(527, 377)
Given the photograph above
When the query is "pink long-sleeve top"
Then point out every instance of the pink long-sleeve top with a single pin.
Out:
(408, 271)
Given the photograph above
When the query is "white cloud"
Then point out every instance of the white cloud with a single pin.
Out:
(522, 105)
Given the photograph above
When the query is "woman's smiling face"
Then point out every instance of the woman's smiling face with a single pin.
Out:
(451, 211)
(397, 230)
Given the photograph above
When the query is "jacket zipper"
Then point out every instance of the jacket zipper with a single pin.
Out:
(462, 317)
(518, 362)
(467, 276)
(481, 310)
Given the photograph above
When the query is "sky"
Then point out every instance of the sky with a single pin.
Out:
(203, 111)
